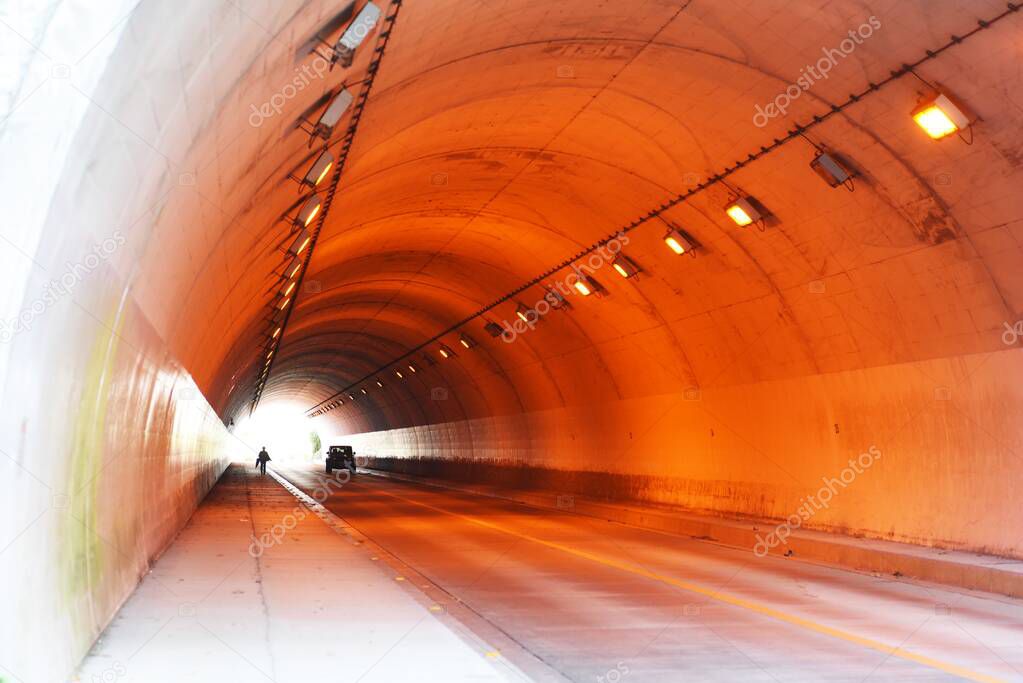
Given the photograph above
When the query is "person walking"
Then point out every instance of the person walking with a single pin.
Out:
(262, 459)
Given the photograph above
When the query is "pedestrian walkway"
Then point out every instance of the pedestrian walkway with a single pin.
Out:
(257, 588)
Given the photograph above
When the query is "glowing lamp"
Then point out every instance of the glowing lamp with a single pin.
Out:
(445, 352)
(380, 384)
(319, 170)
(584, 284)
(399, 375)
(678, 242)
(526, 315)
(291, 270)
(624, 266)
(940, 117)
(301, 241)
(309, 211)
(743, 212)
(466, 341)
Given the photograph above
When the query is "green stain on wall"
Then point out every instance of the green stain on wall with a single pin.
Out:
(83, 549)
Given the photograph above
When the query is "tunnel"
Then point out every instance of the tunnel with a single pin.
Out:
(668, 336)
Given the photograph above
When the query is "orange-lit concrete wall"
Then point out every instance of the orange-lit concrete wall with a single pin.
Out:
(947, 432)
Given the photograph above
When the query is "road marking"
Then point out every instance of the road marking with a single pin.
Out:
(464, 630)
(808, 624)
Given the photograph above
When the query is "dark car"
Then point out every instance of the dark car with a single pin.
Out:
(340, 457)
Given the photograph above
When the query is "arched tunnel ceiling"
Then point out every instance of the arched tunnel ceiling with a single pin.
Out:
(501, 138)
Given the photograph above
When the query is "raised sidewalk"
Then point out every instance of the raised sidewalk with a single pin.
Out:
(307, 603)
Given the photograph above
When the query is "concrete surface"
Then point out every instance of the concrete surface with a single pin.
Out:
(987, 573)
(602, 601)
(315, 606)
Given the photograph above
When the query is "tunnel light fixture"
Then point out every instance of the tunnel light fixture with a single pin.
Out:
(466, 341)
(356, 32)
(625, 266)
(679, 242)
(743, 211)
(343, 51)
(555, 298)
(941, 115)
(445, 352)
(493, 329)
(831, 170)
(380, 384)
(526, 315)
(276, 333)
(300, 242)
(584, 284)
(309, 211)
(287, 289)
(294, 268)
(363, 390)
(284, 303)
(398, 374)
(351, 397)
(319, 170)
(412, 369)
(333, 113)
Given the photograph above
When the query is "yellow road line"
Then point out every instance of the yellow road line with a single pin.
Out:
(808, 624)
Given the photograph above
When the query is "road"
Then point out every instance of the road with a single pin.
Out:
(600, 601)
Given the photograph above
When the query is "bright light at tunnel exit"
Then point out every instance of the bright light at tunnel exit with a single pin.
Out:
(283, 429)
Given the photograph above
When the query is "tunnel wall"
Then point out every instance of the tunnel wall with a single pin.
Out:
(107, 445)
(943, 430)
